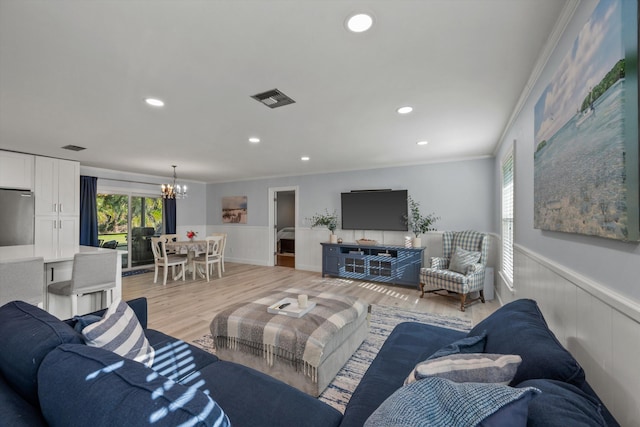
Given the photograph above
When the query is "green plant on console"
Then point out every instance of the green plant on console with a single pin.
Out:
(417, 222)
(329, 220)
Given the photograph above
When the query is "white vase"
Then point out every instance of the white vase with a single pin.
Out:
(417, 242)
(333, 238)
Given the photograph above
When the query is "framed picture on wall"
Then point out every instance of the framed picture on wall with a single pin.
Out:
(586, 131)
(234, 210)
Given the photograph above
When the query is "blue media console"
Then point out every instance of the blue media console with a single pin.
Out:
(388, 264)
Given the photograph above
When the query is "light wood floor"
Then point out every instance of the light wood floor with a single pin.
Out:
(184, 309)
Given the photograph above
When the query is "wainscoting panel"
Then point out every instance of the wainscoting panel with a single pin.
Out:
(245, 244)
(600, 328)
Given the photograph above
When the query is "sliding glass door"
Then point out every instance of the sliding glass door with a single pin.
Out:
(146, 222)
(127, 222)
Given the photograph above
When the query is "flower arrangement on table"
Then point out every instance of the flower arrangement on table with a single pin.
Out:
(191, 234)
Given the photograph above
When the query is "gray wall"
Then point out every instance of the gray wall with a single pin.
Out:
(613, 264)
(461, 193)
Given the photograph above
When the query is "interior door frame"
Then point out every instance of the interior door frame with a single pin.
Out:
(272, 218)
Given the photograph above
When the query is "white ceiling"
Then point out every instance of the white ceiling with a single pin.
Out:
(77, 72)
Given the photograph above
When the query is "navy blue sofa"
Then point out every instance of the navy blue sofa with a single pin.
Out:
(43, 370)
(44, 366)
(516, 328)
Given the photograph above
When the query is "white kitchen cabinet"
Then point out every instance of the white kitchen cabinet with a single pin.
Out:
(55, 232)
(57, 193)
(16, 170)
(57, 187)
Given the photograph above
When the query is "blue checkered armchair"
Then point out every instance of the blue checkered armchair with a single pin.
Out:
(461, 269)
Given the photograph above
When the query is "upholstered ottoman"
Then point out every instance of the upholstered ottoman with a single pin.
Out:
(305, 352)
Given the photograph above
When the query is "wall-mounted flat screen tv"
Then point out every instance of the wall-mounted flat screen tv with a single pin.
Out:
(374, 210)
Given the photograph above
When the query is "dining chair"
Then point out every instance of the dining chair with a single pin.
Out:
(223, 246)
(164, 260)
(22, 280)
(91, 273)
(170, 238)
(211, 256)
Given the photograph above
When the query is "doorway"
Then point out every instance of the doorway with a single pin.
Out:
(284, 215)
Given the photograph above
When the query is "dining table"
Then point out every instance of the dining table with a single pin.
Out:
(191, 248)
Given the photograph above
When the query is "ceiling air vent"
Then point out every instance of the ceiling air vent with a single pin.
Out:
(73, 148)
(273, 98)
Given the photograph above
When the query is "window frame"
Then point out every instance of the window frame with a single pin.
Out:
(507, 217)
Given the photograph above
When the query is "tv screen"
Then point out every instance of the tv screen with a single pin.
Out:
(374, 210)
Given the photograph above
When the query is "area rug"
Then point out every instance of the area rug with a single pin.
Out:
(135, 272)
(382, 321)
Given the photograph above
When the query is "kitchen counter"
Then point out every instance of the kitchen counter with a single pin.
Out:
(8, 253)
(58, 266)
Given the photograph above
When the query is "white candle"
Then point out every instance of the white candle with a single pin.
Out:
(302, 301)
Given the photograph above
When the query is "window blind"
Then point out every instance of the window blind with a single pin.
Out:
(507, 217)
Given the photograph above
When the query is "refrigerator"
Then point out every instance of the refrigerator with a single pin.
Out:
(17, 210)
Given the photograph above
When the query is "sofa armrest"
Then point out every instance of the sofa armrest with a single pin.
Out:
(475, 268)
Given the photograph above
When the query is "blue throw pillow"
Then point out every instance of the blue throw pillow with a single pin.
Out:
(561, 404)
(27, 335)
(468, 344)
(437, 402)
(84, 321)
(519, 328)
(88, 386)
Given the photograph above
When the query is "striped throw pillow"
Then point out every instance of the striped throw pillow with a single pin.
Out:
(462, 259)
(469, 368)
(120, 332)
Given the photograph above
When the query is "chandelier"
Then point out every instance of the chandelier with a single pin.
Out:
(173, 191)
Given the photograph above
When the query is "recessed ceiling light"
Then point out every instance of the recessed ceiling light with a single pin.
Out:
(422, 142)
(359, 22)
(155, 102)
(404, 110)
(254, 140)
(305, 158)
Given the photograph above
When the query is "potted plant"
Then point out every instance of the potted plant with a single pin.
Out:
(418, 223)
(329, 220)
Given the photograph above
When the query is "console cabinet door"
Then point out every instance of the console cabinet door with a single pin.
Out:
(330, 260)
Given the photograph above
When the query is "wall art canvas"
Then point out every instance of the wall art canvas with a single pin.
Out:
(234, 210)
(586, 131)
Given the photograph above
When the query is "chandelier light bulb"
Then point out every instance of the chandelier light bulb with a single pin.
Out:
(173, 191)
